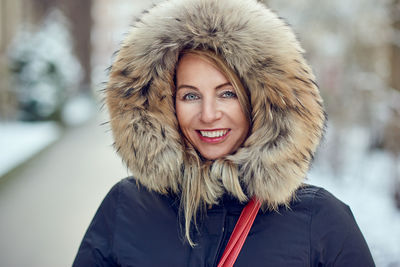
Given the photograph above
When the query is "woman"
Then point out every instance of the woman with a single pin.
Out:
(211, 104)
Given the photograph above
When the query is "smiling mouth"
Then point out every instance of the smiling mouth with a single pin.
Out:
(213, 136)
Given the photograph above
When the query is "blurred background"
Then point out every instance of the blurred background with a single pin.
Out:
(56, 159)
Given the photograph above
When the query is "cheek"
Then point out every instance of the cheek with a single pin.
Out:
(183, 116)
(244, 121)
(179, 112)
(240, 119)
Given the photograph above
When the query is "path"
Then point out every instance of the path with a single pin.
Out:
(47, 204)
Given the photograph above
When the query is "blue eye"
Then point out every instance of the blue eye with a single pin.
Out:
(190, 97)
(229, 94)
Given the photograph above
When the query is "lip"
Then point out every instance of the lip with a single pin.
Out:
(213, 140)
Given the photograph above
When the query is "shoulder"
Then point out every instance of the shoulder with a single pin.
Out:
(326, 211)
(129, 190)
(312, 191)
(129, 197)
(129, 187)
(319, 199)
(335, 237)
(122, 189)
(128, 216)
(127, 184)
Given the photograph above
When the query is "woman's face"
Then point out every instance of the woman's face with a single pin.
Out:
(207, 108)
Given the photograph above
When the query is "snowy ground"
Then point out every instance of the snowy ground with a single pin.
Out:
(19, 141)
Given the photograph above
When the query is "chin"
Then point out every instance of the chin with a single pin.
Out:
(212, 155)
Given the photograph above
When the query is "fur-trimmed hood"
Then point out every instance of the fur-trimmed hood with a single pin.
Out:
(287, 114)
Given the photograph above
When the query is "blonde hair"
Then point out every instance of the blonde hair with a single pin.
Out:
(202, 184)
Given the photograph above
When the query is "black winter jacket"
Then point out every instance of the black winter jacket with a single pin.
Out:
(137, 227)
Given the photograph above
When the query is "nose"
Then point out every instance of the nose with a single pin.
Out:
(210, 111)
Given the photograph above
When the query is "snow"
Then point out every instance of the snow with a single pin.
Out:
(19, 141)
(44, 69)
(78, 110)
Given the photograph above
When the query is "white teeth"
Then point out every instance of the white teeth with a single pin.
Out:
(213, 134)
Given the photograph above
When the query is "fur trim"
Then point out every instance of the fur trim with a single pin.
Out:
(287, 112)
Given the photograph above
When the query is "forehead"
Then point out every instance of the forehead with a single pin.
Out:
(194, 69)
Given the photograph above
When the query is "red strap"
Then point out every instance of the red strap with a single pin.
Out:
(240, 233)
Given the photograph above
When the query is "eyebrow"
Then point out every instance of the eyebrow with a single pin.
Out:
(195, 88)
